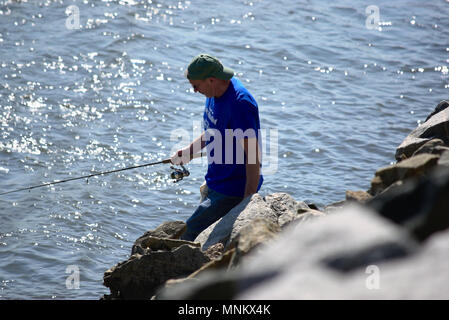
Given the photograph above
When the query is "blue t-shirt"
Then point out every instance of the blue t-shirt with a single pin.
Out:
(227, 119)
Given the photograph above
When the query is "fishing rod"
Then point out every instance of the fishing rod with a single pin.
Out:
(177, 174)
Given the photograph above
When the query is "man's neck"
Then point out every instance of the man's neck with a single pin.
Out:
(221, 88)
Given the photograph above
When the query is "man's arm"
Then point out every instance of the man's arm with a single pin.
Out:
(184, 155)
(251, 148)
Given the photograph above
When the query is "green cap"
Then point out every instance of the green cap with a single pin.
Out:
(204, 66)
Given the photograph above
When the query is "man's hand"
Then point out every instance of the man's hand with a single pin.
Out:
(190, 152)
(182, 156)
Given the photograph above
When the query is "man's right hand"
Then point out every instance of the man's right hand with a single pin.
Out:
(181, 156)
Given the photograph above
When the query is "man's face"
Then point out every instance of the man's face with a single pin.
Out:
(203, 86)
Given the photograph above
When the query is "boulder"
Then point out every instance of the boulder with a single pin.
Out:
(148, 243)
(285, 207)
(358, 196)
(252, 236)
(434, 146)
(141, 275)
(220, 231)
(215, 251)
(421, 206)
(440, 107)
(391, 270)
(223, 262)
(159, 254)
(444, 159)
(156, 256)
(335, 207)
(436, 126)
(414, 167)
(306, 216)
(167, 230)
(278, 208)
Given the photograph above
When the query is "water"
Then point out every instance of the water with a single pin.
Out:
(112, 93)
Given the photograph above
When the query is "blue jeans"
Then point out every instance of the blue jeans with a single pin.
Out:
(212, 208)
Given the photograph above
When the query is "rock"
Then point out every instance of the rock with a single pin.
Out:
(358, 196)
(335, 207)
(207, 287)
(444, 159)
(435, 127)
(141, 275)
(313, 206)
(214, 265)
(440, 107)
(168, 230)
(223, 262)
(434, 146)
(413, 167)
(285, 207)
(377, 186)
(148, 243)
(421, 206)
(405, 275)
(306, 216)
(279, 208)
(392, 186)
(250, 237)
(331, 258)
(173, 282)
(392, 270)
(215, 251)
(219, 232)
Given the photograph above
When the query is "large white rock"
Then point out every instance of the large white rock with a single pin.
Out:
(278, 208)
(353, 255)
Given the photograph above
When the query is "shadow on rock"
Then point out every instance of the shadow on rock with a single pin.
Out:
(419, 205)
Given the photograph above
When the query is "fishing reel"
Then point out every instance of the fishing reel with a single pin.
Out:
(179, 174)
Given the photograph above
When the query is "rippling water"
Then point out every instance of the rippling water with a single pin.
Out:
(112, 94)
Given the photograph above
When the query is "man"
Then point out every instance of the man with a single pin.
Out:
(231, 135)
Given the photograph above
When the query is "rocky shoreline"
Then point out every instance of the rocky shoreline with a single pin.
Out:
(389, 242)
